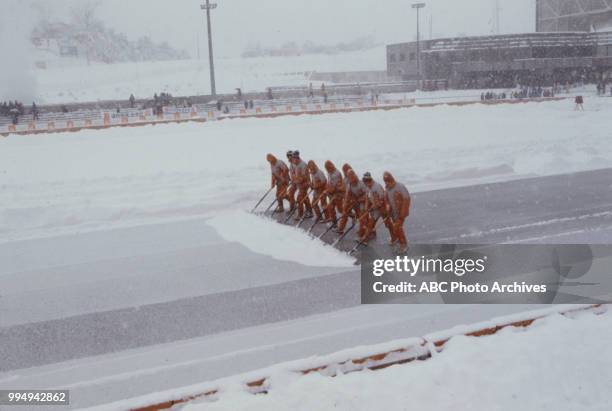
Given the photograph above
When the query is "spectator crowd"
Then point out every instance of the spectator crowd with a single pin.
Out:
(15, 109)
(521, 93)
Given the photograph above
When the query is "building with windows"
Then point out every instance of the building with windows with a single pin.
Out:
(506, 60)
(573, 41)
(573, 15)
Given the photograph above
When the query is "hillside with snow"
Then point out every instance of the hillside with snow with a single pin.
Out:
(67, 80)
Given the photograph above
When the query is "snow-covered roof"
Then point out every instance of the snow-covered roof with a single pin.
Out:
(511, 41)
(568, 39)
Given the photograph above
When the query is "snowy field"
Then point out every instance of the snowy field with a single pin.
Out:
(90, 180)
(66, 81)
(559, 363)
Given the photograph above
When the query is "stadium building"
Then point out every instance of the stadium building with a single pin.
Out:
(573, 15)
(573, 42)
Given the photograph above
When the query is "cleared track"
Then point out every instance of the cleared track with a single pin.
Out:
(100, 293)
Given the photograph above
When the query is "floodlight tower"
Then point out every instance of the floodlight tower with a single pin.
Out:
(208, 6)
(497, 17)
(418, 7)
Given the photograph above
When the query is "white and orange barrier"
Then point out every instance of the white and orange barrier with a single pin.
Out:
(180, 114)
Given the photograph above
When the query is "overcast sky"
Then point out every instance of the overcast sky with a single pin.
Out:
(236, 23)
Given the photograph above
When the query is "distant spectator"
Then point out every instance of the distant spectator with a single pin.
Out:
(34, 111)
(132, 101)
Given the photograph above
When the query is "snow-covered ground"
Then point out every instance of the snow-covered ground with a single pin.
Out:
(100, 179)
(156, 373)
(558, 363)
(67, 80)
(112, 191)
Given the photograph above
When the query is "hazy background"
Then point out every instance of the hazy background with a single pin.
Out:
(237, 23)
(16, 77)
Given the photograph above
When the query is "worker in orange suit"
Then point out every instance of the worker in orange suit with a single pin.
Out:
(345, 171)
(292, 187)
(318, 183)
(376, 208)
(354, 201)
(301, 179)
(335, 193)
(280, 179)
(399, 200)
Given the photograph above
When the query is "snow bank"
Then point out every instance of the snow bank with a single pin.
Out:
(559, 363)
(281, 242)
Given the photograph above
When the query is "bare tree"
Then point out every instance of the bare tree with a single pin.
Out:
(84, 17)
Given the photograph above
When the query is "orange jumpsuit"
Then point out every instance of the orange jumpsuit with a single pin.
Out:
(302, 183)
(292, 187)
(354, 202)
(280, 179)
(319, 184)
(335, 194)
(376, 204)
(399, 201)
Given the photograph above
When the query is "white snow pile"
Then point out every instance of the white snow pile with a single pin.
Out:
(281, 242)
(558, 363)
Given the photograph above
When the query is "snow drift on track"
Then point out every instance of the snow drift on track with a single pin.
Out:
(267, 237)
(557, 364)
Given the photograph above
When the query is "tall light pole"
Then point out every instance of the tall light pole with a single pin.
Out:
(418, 7)
(208, 7)
(497, 14)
